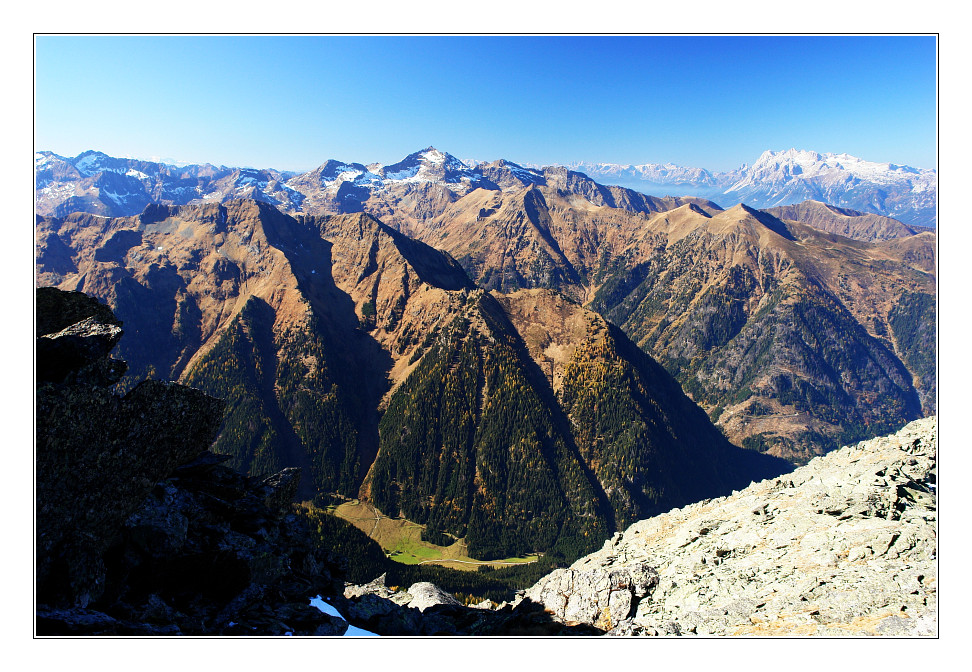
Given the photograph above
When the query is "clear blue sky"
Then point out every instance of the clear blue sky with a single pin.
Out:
(293, 102)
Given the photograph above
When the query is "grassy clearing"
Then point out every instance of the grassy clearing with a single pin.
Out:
(402, 540)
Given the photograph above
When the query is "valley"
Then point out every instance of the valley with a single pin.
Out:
(521, 358)
(402, 540)
(543, 334)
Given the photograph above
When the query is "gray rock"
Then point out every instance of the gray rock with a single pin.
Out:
(425, 595)
(842, 546)
(602, 597)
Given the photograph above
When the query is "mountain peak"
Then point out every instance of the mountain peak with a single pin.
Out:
(427, 165)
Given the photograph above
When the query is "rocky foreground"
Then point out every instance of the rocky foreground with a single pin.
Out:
(140, 528)
(843, 546)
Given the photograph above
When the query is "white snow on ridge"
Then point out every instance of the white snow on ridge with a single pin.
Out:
(91, 164)
(348, 173)
(434, 156)
(409, 174)
(525, 174)
(42, 159)
(59, 190)
(119, 199)
(802, 164)
(328, 609)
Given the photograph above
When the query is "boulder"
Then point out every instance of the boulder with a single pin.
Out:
(425, 595)
(602, 597)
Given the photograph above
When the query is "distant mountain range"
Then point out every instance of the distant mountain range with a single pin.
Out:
(97, 183)
(787, 177)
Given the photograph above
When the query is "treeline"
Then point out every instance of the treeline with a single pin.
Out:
(283, 402)
(469, 447)
(367, 561)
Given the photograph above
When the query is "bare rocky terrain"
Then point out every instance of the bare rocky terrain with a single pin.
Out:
(843, 546)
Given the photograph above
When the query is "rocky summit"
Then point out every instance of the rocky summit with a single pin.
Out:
(843, 546)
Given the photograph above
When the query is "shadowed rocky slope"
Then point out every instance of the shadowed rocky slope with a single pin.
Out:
(140, 529)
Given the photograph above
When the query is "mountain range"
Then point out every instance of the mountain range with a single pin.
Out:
(499, 352)
(97, 183)
(521, 422)
(779, 178)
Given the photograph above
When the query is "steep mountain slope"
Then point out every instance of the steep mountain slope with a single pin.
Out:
(645, 442)
(212, 298)
(512, 227)
(847, 223)
(737, 304)
(556, 233)
(783, 332)
(519, 433)
(243, 301)
(343, 347)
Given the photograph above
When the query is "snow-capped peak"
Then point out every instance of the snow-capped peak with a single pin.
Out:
(432, 155)
(790, 164)
(90, 162)
(428, 165)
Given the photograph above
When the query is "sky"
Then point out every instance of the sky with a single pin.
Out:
(292, 102)
(713, 102)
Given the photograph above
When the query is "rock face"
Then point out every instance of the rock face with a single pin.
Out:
(843, 546)
(426, 609)
(596, 597)
(140, 529)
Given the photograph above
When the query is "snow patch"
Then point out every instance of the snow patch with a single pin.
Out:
(403, 175)
(119, 199)
(330, 610)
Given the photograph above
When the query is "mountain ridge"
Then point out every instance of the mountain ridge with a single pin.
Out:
(776, 178)
(512, 227)
(369, 360)
(780, 178)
